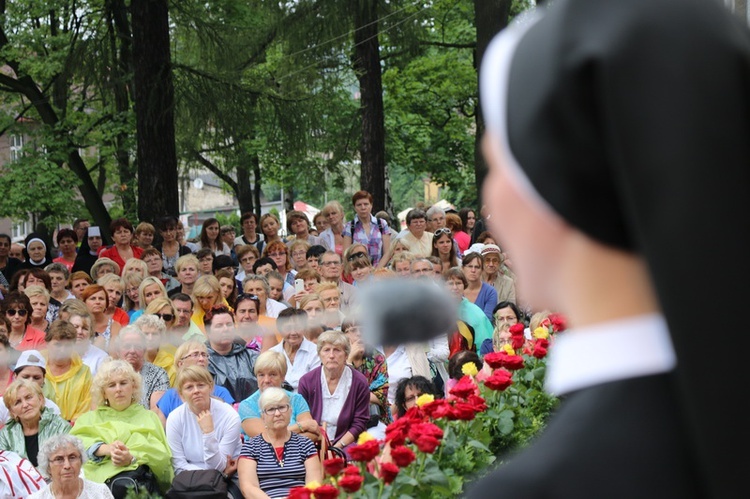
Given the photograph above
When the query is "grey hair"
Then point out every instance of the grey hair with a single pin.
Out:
(59, 268)
(261, 279)
(130, 328)
(54, 444)
(150, 321)
(271, 396)
(434, 210)
(336, 338)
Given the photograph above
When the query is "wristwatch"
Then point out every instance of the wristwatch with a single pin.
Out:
(133, 461)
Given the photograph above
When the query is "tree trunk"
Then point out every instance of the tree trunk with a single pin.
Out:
(244, 187)
(374, 177)
(490, 16)
(154, 109)
(255, 161)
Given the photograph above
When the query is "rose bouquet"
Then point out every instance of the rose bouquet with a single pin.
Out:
(441, 443)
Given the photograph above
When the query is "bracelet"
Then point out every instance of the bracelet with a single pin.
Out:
(299, 426)
(133, 461)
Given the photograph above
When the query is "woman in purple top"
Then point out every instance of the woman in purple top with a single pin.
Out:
(338, 395)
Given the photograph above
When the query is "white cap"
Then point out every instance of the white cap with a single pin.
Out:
(474, 248)
(30, 358)
(94, 232)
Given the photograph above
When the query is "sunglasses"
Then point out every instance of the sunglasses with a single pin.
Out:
(165, 317)
(442, 231)
(12, 311)
(358, 254)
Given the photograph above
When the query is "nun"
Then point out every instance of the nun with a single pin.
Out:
(620, 129)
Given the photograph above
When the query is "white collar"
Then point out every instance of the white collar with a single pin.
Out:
(609, 351)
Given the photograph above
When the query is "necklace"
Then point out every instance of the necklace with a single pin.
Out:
(275, 450)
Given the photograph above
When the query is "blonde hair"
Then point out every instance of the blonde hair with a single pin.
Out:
(404, 256)
(145, 227)
(135, 264)
(272, 396)
(270, 361)
(335, 338)
(183, 350)
(12, 391)
(185, 260)
(309, 298)
(159, 303)
(327, 286)
(146, 282)
(106, 371)
(194, 374)
(36, 290)
(130, 281)
(205, 286)
(537, 318)
(108, 279)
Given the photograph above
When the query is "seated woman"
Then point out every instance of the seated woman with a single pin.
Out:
(477, 291)
(31, 422)
(339, 395)
(77, 282)
(505, 315)
(149, 289)
(17, 309)
(103, 266)
(39, 299)
(190, 353)
(105, 328)
(204, 434)
(114, 285)
(270, 369)
(120, 434)
(471, 314)
(206, 295)
(68, 378)
(123, 249)
(409, 389)
(277, 459)
(60, 460)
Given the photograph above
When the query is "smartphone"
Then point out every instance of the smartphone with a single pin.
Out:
(299, 285)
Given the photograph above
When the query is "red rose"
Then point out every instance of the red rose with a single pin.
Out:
(334, 465)
(402, 456)
(365, 452)
(513, 362)
(463, 411)
(426, 443)
(464, 388)
(500, 380)
(438, 409)
(540, 349)
(425, 429)
(388, 472)
(326, 491)
(414, 414)
(351, 470)
(477, 402)
(517, 342)
(300, 493)
(527, 350)
(495, 359)
(558, 322)
(396, 432)
(517, 329)
(351, 483)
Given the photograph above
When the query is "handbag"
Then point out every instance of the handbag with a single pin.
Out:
(138, 480)
(204, 484)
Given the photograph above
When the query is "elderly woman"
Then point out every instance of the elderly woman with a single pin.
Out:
(114, 285)
(339, 395)
(373, 232)
(269, 309)
(300, 353)
(277, 459)
(123, 249)
(31, 422)
(505, 315)
(190, 353)
(76, 312)
(36, 252)
(105, 266)
(417, 237)
(206, 295)
(58, 278)
(120, 435)
(270, 369)
(131, 347)
(144, 235)
(60, 460)
(39, 299)
(68, 378)
(135, 265)
(105, 328)
(17, 309)
(298, 250)
(247, 255)
(204, 434)
(158, 350)
(279, 253)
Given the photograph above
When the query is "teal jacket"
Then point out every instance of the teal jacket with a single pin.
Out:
(11, 437)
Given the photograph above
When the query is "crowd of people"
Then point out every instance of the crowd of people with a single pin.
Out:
(239, 352)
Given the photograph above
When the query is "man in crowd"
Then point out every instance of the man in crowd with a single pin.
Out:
(231, 363)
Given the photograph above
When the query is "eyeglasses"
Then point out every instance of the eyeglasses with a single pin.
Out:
(13, 311)
(354, 256)
(60, 460)
(248, 259)
(277, 253)
(280, 409)
(165, 317)
(299, 253)
(195, 355)
(442, 231)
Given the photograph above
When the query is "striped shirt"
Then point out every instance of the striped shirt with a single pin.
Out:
(276, 479)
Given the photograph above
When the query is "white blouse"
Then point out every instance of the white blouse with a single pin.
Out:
(333, 403)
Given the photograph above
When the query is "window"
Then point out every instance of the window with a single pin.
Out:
(16, 147)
